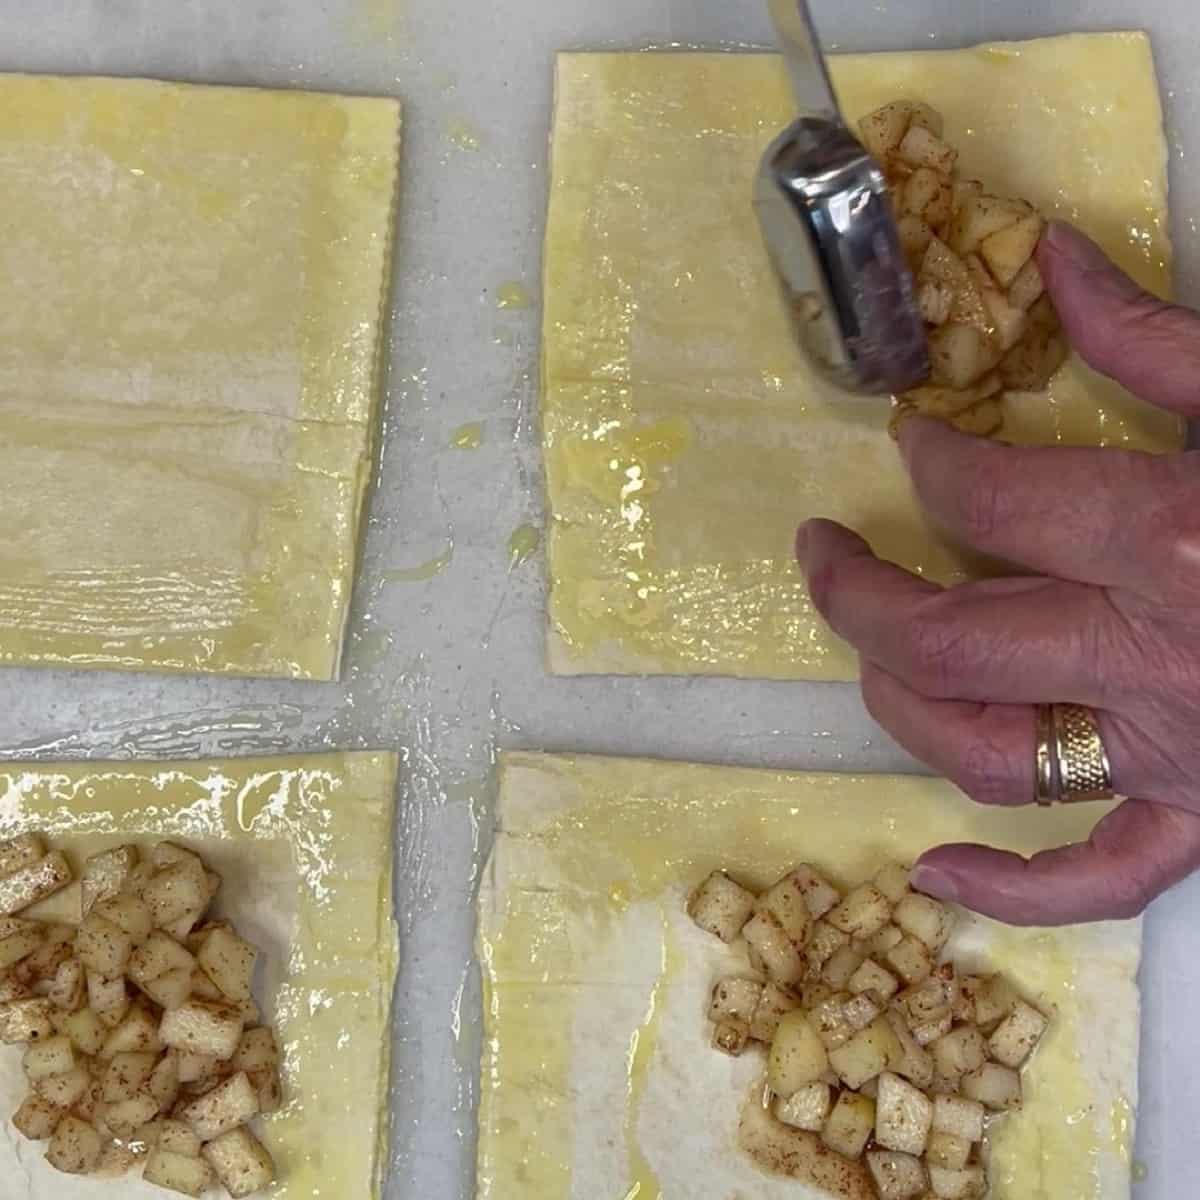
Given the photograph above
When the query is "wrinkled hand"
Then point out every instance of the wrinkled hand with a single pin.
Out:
(1112, 620)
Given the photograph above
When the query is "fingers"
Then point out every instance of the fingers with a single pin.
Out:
(1095, 516)
(1149, 346)
(1135, 853)
(1004, 641)
(986, 749)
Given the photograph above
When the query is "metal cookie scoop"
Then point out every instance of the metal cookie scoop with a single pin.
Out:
(823, 207)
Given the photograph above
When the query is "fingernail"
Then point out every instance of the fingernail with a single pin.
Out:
(802, 542)
(934, 883)
(1075, 247)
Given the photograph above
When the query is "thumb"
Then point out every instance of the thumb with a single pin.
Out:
(1135, 852)
(1147, 345)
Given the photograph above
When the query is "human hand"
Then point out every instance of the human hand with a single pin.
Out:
(1111, 622)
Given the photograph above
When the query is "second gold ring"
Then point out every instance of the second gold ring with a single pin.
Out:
(1072, 764)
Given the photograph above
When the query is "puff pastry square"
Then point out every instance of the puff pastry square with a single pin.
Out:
(597, 982)
(192, 284)
(684, 440)
(303, 846)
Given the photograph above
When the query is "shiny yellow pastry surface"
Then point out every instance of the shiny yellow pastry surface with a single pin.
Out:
(598, 1075)
(684, 439)
(192, 283)
(303, 846)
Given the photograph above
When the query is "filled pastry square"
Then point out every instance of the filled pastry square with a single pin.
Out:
(600, 983)
(301, 847)
(684, 439)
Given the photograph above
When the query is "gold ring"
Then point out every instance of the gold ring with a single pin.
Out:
(1045, 785)
(1081, 762)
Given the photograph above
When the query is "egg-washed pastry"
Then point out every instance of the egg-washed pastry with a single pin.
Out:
(193, 282)
(600, 1074)
(290, 1080)
(684, 438)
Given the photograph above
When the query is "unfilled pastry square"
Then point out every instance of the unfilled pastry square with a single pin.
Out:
(303, 845)
(684, 440)
(193, 281)
(599, 1077)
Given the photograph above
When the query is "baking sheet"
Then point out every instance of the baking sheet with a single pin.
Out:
(447, 663)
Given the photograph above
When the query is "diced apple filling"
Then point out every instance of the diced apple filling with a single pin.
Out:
(141, 1034)
(978, 286)
(879, 1056)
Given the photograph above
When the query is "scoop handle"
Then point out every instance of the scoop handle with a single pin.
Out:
(805, 61)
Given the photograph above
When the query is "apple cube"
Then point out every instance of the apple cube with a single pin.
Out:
(26, 1021)
(65, 1090)
(864, 912)
(914, 1062)
(968, 1184)
(86, 1031)
(850, 1125)
(808, 1108)
(176, 890)
(864, 1056)
(871, 977)
(137, 1034)
(925, 919)
(34, 882)
(781, 957)
(125, 1117)
(946, 1150)
(75, 1148)
(202, 1027)
(896, 1176)
(824, 942)
(828, 1017)
(52, 1056)
(1028, 287)
(730, 1038)
(995, 998)
(125, 1074)
(1017, 1035)
(995, 1087)
(903, 1116)
(721, 907)
(960, 1051)
(183, 1173)
(842, 965)
(786, 903)
(910, 959)
(105, 873)
(37, 1118)
(773, 1002)
(861, 1010)
(883, 941)
(241, 1162)
(921, 148)
(228, 1105)
(22, 851)
(733, 1000)
(1008, 250)
(19, 944)
(958, 1116)
(883, 130)
(103, 947)
(229, 962)
(172, 990)
(797, 1056)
